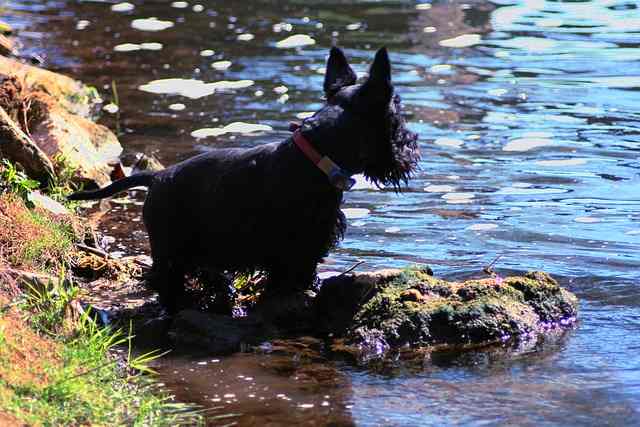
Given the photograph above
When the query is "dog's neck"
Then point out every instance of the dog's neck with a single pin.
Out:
(337, 176)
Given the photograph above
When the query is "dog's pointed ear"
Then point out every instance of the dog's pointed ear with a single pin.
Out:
(339, 73)
(377, 90)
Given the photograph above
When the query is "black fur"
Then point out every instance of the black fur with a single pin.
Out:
(269, 208)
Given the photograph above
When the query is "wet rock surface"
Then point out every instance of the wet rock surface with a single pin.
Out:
(213, 333)
(378, 312)
(369, 315)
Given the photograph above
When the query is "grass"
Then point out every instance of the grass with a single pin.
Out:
(15, 181)
(33, 239)
(57, 366)
(58, 371)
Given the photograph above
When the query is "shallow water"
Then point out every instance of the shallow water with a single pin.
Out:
(530, 133)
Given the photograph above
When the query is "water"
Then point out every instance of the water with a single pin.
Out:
(530, 135)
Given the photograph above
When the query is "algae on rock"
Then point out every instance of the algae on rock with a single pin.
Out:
(412, 308)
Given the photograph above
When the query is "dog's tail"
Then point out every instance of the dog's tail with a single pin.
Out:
(141, 179)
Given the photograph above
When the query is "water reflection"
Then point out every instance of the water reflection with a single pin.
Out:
(529, 128)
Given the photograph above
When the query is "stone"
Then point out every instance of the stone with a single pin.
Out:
(213, 333)
(45, 115)
(375, 313)
(72, 95)
(89, 148)
(46, 203)
(19, 148)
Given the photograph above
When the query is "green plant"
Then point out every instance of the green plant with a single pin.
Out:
(116, 101)
(62, 183)
(87, 385)
(13, 180)
(47, 304)
(141, 362)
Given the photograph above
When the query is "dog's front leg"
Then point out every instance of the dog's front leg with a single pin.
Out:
(293, 277)
(286, 301)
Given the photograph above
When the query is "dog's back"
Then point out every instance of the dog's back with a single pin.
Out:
(239, 207)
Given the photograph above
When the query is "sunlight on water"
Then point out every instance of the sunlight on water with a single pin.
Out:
(527, 112)
(236, 127)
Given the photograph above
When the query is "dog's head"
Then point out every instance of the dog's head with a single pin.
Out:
(361, 126)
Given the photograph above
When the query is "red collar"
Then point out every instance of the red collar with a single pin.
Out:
(306, 147)
(337, 177)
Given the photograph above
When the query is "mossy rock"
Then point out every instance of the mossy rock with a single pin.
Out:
(393, 309)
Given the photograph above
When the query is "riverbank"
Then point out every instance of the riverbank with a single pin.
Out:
(60, 364)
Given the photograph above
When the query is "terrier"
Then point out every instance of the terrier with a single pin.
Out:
(275, 208)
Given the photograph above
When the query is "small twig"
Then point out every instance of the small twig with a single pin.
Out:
(350, 269)
(95, 251)
(489, 269)
(140, 263)
(26, 105)
(107, 255)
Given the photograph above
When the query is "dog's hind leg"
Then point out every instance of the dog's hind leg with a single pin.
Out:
(223, 291)
(168, 273)
(168, 280)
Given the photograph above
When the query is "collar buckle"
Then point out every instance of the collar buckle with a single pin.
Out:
(340, 179)
(337, 176)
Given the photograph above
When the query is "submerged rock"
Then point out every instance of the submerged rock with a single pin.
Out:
(393, 309)
(389, 312)
(213, 333)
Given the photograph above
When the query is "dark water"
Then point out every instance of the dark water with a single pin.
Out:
(530, 133)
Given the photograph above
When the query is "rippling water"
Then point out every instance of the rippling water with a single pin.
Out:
(529, 126)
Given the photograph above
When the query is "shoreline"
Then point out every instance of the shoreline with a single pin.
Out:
(59, 362)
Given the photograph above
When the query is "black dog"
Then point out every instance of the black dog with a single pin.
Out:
(269, 208)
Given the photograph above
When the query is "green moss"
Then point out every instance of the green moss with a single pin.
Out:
(88, 96)
(414, 308)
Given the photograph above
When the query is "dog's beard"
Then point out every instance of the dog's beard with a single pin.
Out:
(396, 159)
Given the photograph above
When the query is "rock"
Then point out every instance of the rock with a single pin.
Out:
(41, 201)
(7, 46)
(89, 148)
(133, 163)
(375, 313)
(51, 124)
(213, 333)
(400, 313)
(19, 148)
(290, 312)
(341, 297)
(72, 95)
(146, 162)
